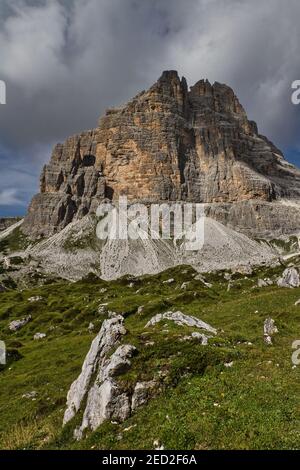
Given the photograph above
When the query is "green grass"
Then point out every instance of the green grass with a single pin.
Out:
(200, 404)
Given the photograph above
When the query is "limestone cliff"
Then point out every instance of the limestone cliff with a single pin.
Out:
(167, 143)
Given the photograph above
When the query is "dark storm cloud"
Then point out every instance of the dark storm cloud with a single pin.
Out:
(64, 62)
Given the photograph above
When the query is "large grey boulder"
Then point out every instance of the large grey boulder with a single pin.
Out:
(97, 381)
(111, 331)
(290, 278)
(105, 399)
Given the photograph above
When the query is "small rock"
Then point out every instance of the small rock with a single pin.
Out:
(199, 277)
(36, 298)
(6, 262)
(91, 327)
(39, 336)
(129, 428)
(103, 290)
(264, 282)
(102, 309)
(184, 285)
(112, 314)
(297, 302)
(203, 339)
(140, 309)
(169, 281)
(269, 330)
(18, 324)
(30, 395)
(157, 445)
(228, 364)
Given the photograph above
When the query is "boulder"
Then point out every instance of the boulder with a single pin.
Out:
(18, 324)
(181, 319)
(270, 329)
(264, 282)
(203, 339)
(39, 336)
(110, 333)
(105, 399)
(290, 278)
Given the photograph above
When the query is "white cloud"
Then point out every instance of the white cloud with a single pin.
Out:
(9, 197)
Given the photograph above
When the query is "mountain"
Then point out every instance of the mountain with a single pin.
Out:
(172, 143)
(140, 342)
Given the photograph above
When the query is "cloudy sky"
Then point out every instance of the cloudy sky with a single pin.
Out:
(65, 61)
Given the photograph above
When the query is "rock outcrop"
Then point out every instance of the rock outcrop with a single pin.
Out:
(181, 319)
(171, 143)
(270, 329)
(111, 332)
(290, 278)
(105, 399)
(98, 385)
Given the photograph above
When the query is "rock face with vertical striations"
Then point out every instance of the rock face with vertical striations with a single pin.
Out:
(170, 143)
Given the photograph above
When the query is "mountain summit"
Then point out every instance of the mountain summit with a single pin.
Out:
(171, 143)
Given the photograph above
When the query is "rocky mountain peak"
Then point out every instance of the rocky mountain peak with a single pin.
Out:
(168, 143)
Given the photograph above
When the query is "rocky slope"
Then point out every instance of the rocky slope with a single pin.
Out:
(172, 143)
(75, 252)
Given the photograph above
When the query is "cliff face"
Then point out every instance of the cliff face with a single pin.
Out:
(167, 143)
